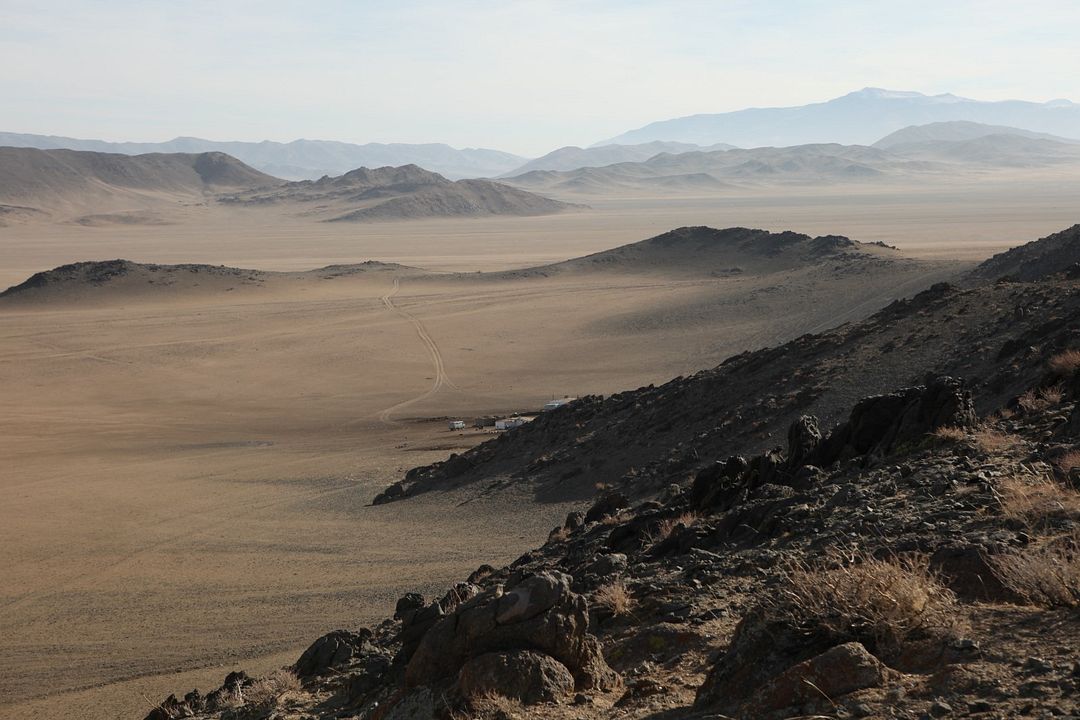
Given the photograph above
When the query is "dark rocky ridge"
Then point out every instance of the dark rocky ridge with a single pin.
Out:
(103, 274)
(1055, 253)
(695, 575)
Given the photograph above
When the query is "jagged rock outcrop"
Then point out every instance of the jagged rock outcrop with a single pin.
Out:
(539, 613)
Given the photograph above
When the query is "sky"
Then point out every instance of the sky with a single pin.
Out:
(522, 76)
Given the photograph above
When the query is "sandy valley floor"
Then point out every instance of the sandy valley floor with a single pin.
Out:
(187, 476)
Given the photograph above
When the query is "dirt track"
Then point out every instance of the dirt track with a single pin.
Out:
(440, 379)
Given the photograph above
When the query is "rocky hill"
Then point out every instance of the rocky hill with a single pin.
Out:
(955, 131)
(105, 280)
(1035, 261)
(30, 175)
(879, 521)
(400, 193)
(571, 157)
(105, 188)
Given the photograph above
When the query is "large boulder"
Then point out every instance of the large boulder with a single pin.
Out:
(881, 424)
(332, 650)
(540, 614)
(821, 679)
(521, 675)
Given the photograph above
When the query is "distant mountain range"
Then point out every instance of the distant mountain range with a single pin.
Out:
(952, 149)
(857, 118)
(93, 188)
(302, 159)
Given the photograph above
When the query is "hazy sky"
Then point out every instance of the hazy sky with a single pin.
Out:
(520, 76)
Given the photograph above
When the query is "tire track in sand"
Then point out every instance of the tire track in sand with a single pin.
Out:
(441, 379)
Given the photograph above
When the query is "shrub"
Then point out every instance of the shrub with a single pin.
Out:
(1065, 363)
(615, 598)
(990, 440)
(1067, 462)
(1038, 502)
(1038, 400)
(950, 434)
(1048, 576)
(266, 691)
(881, 603)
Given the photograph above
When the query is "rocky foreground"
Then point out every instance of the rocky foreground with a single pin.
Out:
(920, 559)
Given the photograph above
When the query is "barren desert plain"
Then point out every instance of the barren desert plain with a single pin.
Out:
(188, 456)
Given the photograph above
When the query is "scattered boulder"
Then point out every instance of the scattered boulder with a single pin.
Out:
(540, 614)
(523, 675)
(608, 505)
(826, 677)
(332, 650)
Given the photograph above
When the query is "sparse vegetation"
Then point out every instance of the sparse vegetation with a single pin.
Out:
(1065, 364)
(878, 602)
(268, 690)
(490, 706)
(1067, 462)
(989, 439)
(1041, 399)
(1048, 575)
(667, 526)
(1038, 501)
(615, 598)
(950, 434)
(559, 535)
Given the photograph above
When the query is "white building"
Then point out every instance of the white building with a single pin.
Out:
(508, 423)
(457, 424)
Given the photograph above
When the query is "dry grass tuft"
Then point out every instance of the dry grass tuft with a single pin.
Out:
(667, 526)
(559, 535)
(490, 706)
(1039, 501)
(266, 691)
(990, 440)
(1068, 462)
(1039, 400)
(1048, 576)
(881, 603)
(615, 598)
(950, 434)
(1065, 363)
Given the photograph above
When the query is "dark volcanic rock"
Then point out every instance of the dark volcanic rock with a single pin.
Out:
(540, 613)
(332, 650)
(523, 675)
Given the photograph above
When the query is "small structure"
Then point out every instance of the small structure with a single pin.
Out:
(556, 404)
(457, 424)
(486, 421)
(510, 423)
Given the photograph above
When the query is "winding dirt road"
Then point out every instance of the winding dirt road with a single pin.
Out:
(441, 379)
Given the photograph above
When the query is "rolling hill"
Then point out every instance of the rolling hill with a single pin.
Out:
(41, 182)
(955, 131)
(400, 193)
(571, 157)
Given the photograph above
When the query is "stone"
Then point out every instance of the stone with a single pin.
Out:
(332, 650)
(540, 614)
(522, 675)
(606, 506)
(834, 673)
(803, 439)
